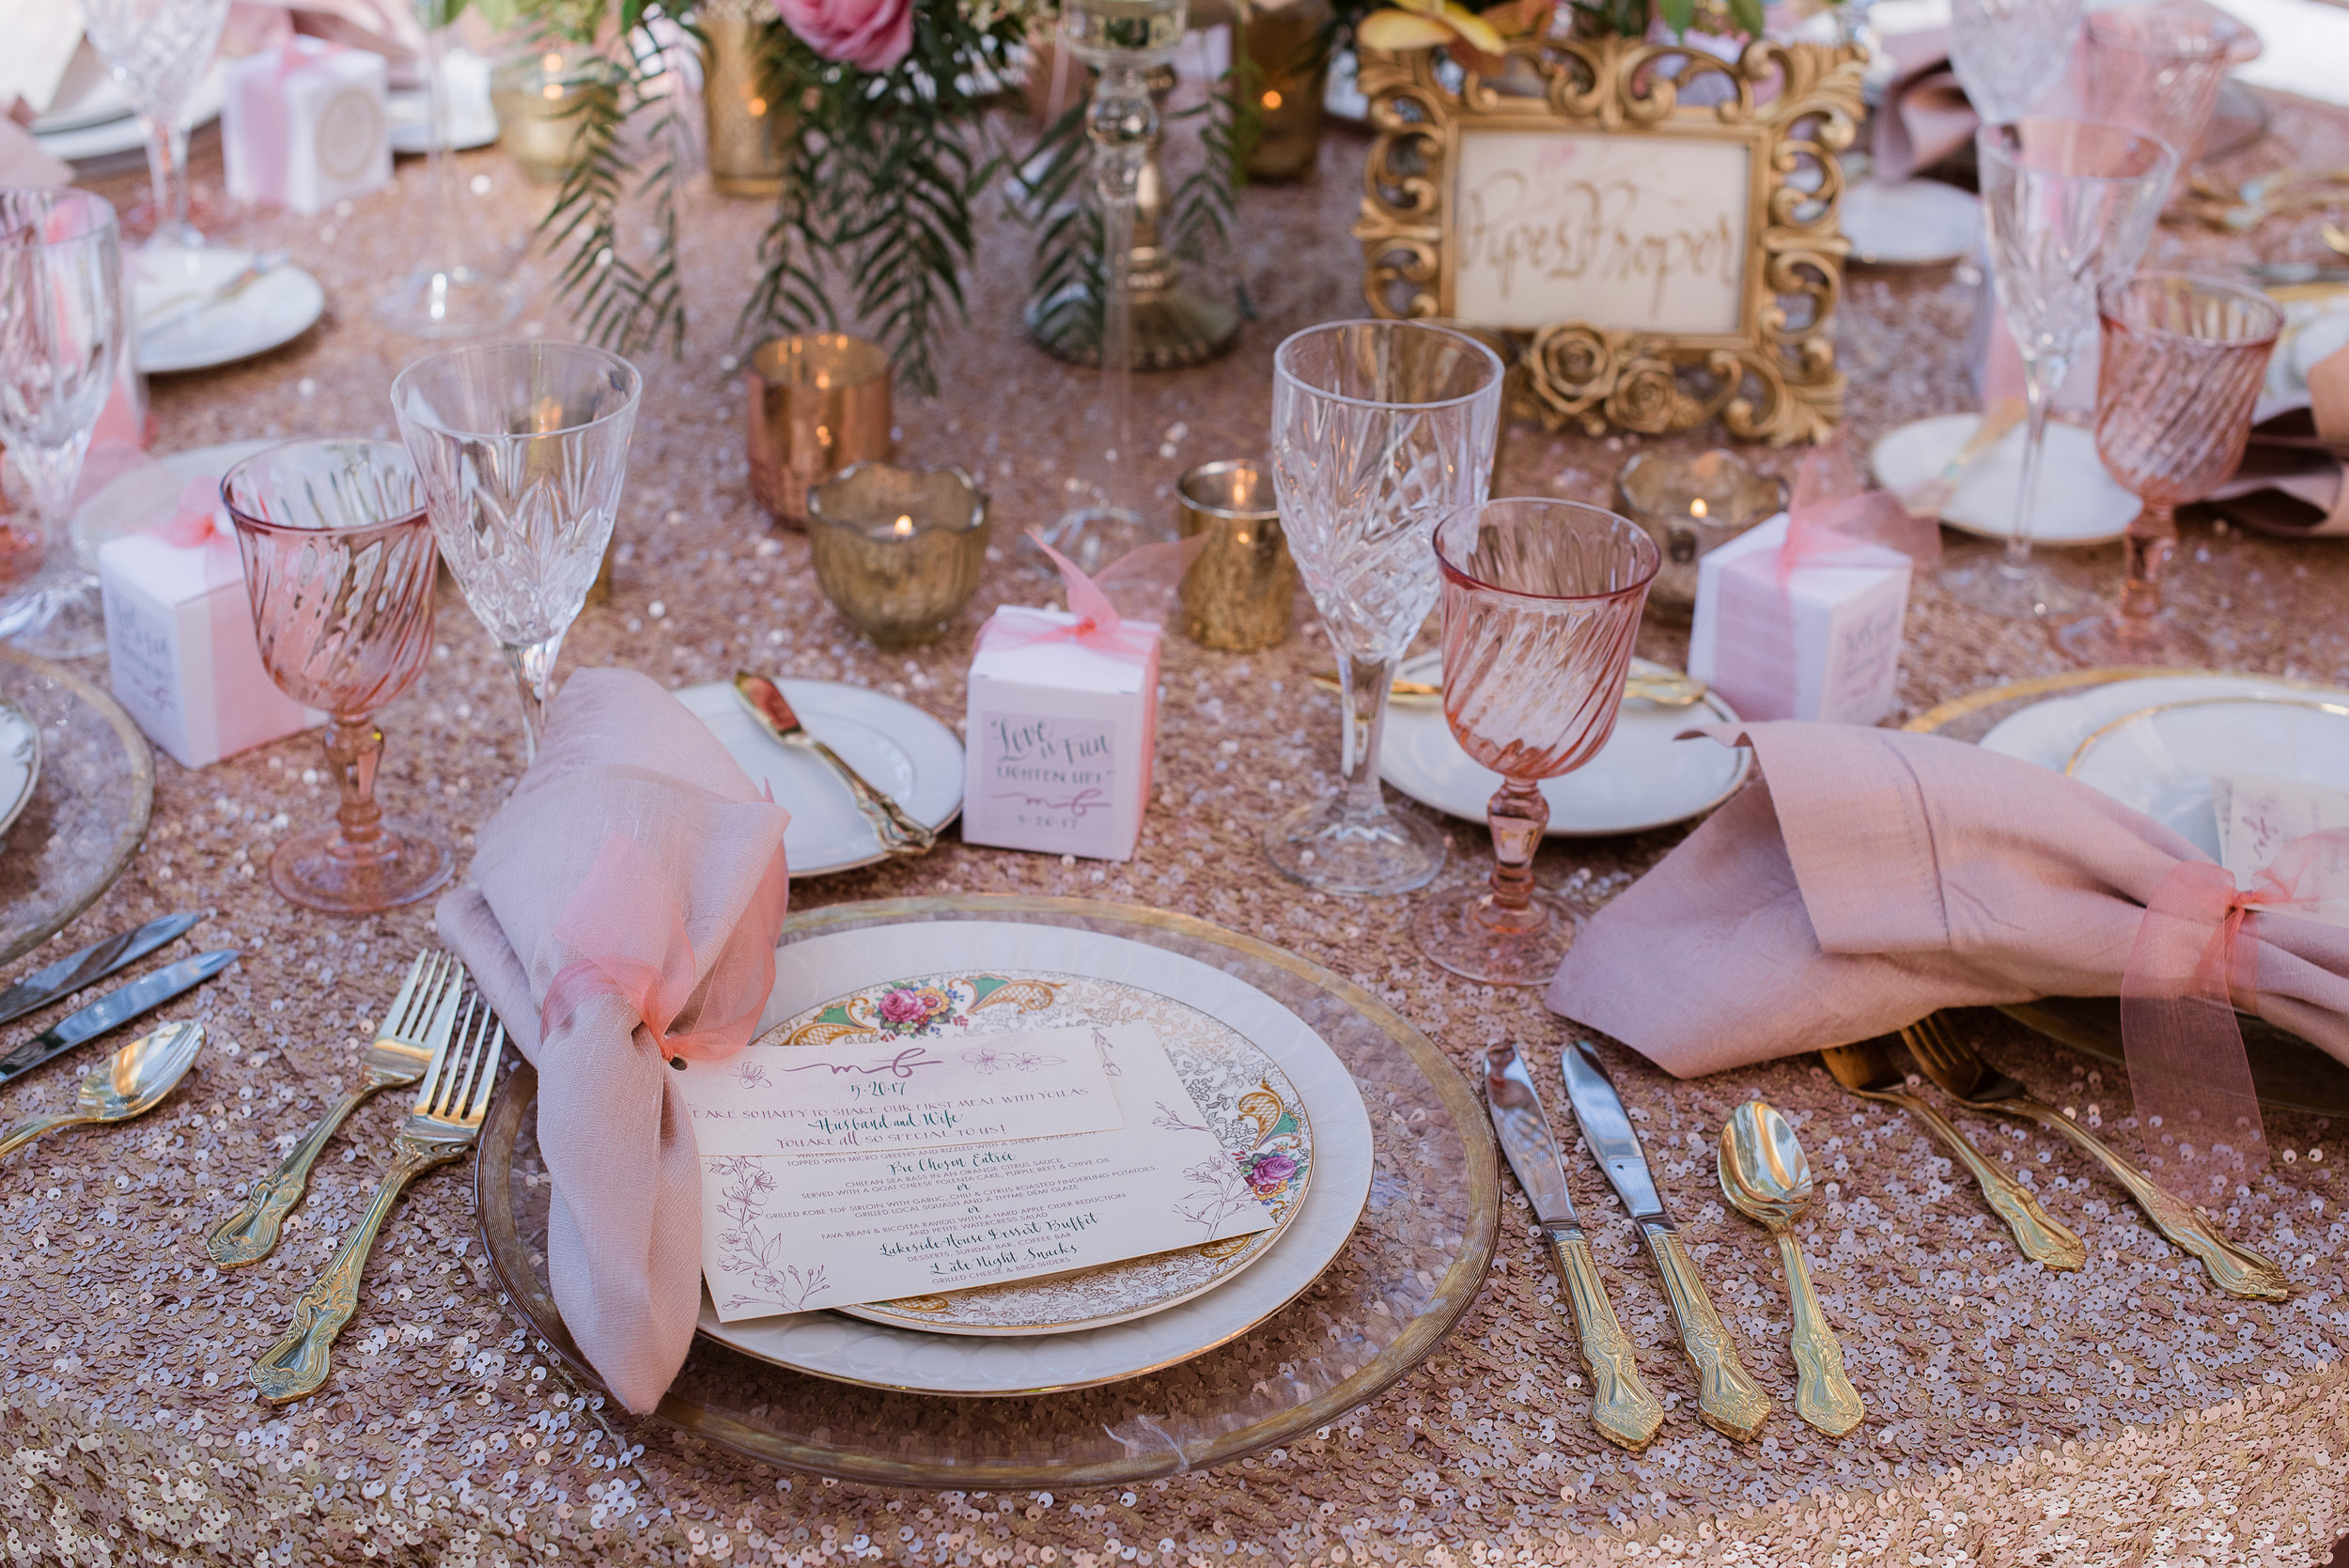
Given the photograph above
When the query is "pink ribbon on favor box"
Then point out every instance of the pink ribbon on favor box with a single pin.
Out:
(1832, 522)
(2189, 968)
(1152, 570)
(631, 934)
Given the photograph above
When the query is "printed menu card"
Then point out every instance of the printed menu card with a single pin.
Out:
(853, 1172)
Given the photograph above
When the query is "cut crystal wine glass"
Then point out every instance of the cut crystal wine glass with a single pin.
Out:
(2184, 362)
(1541, 605)
(61, 337)
(450, 293)
(158, 50)
(2010, 54)
(2070, 206)
(1380, 430)
(339, 564)
(522, 447)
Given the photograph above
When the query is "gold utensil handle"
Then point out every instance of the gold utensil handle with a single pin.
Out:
(1623, 1411)
(248, 1234)
(1823, 1392)
(297, 1364)
(1727, 1397)
(900, 834)
(2045, 1239)
(2237, 1270)
(32, 1127)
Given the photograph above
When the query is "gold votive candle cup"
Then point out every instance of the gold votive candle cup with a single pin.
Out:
(537, 111)
(1239, 593)
(820, 403)
(749, 137)
(1286, 42)
(899, 550)
(1690, 503)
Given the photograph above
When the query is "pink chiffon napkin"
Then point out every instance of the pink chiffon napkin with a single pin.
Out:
(624, 908)
(1871, 876)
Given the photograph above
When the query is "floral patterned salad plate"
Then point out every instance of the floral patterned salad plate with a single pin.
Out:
(1286, 1109)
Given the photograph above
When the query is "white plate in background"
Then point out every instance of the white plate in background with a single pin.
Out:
(272, 311)
(1916, 223)
(1643, 779)
(2079, 504)
(2158, 760)
(901, 750)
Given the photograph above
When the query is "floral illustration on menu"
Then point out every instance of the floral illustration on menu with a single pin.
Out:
(752, 1254)
(921, 1008)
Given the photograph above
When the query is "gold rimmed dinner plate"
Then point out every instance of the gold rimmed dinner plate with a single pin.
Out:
(1247, 1100)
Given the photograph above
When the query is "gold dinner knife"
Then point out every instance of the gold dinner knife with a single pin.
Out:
(1727, 1397)
(1621, 1408)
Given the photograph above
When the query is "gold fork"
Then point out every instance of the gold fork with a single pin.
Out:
(396, 1059)
(448, 1111)
(1866, 1069)
(1974, 1084)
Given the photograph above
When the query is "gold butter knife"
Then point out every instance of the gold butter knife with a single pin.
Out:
(1728, 1398)
(1926, 498)
(1623, 1411)
(899, 832)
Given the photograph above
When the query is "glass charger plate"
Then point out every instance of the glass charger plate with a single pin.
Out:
(2288, 1072)
(88, 809)
(1410, 1269)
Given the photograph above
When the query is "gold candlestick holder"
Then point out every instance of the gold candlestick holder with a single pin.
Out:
(1239, 593)
(1175, 324)
(537, 104)
(899, 550)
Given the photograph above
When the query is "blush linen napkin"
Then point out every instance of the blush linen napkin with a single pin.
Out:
(1872, 877)
(624, 908)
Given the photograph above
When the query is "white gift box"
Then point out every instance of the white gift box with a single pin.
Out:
(1820, 641)
(1060, 736)
(186, 664)
(306, 125)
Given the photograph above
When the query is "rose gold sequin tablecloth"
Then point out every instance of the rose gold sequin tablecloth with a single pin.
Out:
(2121, 1415)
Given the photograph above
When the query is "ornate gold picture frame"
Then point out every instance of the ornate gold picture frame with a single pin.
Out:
(1673, 259)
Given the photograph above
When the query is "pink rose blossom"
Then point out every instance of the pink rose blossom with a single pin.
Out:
(902, 1007)
(871, 35)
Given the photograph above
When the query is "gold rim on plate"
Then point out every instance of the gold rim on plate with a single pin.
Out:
(2239, 698)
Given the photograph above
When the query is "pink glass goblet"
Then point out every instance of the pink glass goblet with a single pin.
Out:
(1541, 604)
(339, 564)
(2184, 360)
(2159, 69)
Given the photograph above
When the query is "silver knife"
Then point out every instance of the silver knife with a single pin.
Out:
(95, 962)
(1621, 1408)
(115, 1007)
(1728, 1398)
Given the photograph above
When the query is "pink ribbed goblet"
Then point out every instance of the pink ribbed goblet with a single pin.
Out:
(2184, 360)
(2159, 69)
(1541, 604)
(339, 564)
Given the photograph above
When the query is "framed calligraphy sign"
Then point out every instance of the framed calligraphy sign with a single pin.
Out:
(1658, 223)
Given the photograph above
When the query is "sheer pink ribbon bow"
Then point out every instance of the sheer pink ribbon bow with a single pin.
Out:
(632, 933)
(2190, 967)
(1151, 571)
(1832, 524)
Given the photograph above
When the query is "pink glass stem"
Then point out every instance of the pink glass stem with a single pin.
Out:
(354, 746)
(1519, 816)
(2153, 534)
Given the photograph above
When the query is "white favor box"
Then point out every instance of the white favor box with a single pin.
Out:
(1059, 743)
(1824, 644)
(305, 137)
(186, 665)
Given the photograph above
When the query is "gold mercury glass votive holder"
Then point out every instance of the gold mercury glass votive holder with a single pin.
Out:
(818, 404)
(537, 111)
(897, 550)
(1691, 503)
(1287, 44)
(749, 137)
(1240, 594)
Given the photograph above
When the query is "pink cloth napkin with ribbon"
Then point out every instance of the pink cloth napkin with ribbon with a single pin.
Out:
(1871, 876)
(1925, 115)
(623, 910)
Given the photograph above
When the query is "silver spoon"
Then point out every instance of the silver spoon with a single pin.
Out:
(130, 1082)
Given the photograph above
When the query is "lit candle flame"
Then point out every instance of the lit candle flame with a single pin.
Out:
(903, 527)
(552, 65)
(1697, 507)
(1272, 100)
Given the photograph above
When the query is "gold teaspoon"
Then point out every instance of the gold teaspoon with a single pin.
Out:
(1765, 1178)
(130, 1082)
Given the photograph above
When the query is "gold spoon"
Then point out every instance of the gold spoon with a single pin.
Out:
(1765, 1178)
(1667, 690)
(130, 1082)
(2336, 237)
